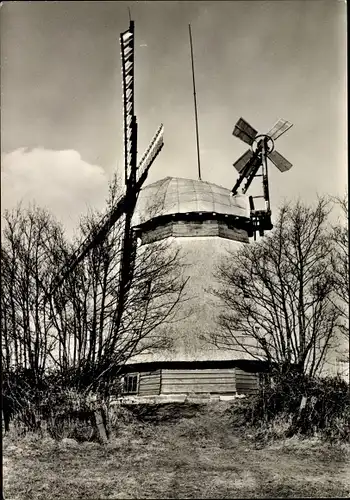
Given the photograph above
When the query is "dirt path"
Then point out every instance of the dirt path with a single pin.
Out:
(175, 461)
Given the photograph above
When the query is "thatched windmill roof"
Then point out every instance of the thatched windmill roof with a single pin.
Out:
(174, 195)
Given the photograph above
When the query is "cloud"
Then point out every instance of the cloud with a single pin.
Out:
(58, 180)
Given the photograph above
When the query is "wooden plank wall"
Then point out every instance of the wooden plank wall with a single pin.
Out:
(149, 383)
(247, 383)
(195, 228)
(216, 381)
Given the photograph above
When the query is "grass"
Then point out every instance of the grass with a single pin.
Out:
(198, 455)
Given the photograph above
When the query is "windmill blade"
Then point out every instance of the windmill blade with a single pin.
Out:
(280, 161)
(244, 131)
(88, 244)
(279, 128)
(243, 160)
(122, 206)
(105, 225)
(152, 151)
(126, 203)
(127, 44)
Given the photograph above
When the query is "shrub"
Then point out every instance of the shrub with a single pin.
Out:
(50, 405)
(326, 409)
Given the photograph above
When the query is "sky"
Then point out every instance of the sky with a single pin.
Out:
(61, 95)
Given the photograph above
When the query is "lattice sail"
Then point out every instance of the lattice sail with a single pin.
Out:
(152, 150)
(127, 43)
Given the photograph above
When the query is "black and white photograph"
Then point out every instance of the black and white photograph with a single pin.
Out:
(174, 249)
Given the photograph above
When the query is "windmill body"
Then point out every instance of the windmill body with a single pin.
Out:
(203, 220)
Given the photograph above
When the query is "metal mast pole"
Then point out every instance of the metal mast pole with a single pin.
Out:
(195, 106)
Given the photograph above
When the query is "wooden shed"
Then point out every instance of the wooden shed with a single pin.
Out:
(193, 377)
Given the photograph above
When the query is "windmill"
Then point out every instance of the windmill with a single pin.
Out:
(135, 174)
(262, 147)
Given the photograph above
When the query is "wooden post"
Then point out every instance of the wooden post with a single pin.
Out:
(101, 427)
(302, 404)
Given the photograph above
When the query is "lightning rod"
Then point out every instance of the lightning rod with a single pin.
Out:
(195, 106)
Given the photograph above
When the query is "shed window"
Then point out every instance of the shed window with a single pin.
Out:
(130, 383)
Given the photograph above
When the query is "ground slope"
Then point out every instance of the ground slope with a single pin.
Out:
(190, 457)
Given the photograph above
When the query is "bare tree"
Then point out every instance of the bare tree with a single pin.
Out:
(340, 263)
(26, 273)
(109, 308)
(276, 294)
(340, 269)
